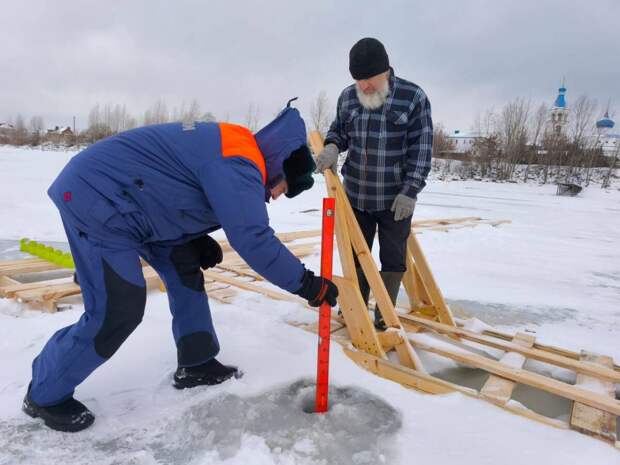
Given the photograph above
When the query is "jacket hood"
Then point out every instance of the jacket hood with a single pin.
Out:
(278, 140)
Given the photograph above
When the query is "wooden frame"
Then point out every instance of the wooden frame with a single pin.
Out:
(593, 413)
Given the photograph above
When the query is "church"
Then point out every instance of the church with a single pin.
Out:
(601, 136)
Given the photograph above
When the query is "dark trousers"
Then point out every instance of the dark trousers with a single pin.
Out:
(392, 237)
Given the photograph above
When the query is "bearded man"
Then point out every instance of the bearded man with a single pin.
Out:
(384, 122)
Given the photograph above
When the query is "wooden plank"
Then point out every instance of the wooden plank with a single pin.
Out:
(239, 271)
(343, 239)
(33, 267)
(405, 352)
(499, 390)
(6, 281)
(590, 420)
(443, 312)
(10, 290)
(250, 287)
(543, 347)
(416, 291)
(426, 383)
(359, 325)
(295, 235)
(525, 377)
(390, 339)
(408, 377)
(592, 369)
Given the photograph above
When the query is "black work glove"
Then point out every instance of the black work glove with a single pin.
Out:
(209, 251)
(317, 290)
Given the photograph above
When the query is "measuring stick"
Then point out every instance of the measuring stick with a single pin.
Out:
(327, 254)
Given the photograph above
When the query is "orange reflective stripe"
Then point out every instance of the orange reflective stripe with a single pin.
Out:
(238, 141)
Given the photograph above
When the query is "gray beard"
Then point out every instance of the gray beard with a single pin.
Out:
(374, 100)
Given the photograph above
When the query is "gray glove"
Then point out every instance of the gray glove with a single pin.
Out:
(328, 158)
(402, 207)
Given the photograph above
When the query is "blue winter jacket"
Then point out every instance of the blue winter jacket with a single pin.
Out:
(170, 183)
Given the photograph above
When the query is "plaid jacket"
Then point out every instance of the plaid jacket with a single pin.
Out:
(389, 149)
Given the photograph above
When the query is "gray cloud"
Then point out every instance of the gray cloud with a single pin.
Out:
(61, 58)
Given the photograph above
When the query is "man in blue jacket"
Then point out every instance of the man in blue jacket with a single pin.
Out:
(154, 193)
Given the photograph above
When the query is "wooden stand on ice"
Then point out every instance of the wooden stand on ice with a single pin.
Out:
(594, 411)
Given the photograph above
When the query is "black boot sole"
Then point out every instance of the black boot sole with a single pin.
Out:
(190, 382)
(37, 412)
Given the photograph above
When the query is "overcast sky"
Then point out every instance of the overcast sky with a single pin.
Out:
(61, 58)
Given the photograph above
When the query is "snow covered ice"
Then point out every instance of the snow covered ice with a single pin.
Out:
(554, 271)
(357, 429)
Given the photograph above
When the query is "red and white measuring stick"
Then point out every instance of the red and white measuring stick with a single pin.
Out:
(327, 255)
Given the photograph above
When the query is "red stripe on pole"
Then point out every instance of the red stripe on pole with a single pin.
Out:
(327, 254)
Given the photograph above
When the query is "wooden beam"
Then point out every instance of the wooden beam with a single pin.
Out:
(361, 330)
(499, 390)
(595, 370)
(250, 287)
(590, 420)
(9, 291)
(443, 312)
(389, 339)
(525, 377)
(403, 375)
(33, 267)
(426, 383)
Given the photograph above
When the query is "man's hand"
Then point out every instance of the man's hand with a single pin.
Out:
(402, 207)
(328, 158)
(209, 250)
(317, 290)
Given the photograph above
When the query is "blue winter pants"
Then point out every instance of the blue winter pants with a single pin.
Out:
(114, 292)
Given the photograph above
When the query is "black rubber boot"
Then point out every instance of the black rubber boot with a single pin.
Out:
(207, 374)
(392, 280)
(69, 416)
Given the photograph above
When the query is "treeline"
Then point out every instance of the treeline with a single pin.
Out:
(518, 143)
(103, 121)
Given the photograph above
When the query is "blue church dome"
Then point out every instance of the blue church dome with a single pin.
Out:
(605, 123)
(560, 101)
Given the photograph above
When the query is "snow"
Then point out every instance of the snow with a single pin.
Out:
(555, 270)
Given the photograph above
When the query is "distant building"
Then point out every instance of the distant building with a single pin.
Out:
(605, 139)
(60, 130)
(558, 116)
(464, 142)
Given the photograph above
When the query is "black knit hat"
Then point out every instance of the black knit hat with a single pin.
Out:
(368, 58)
(298, 169)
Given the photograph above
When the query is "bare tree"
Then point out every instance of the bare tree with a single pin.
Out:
(252, 117)
(157, 113)
(37, 124)
(536, 130)
(321, 114)
(20, 133)
(580, 151)
(581, 119)
(514, 135)
(613, 161)
(441, 140)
